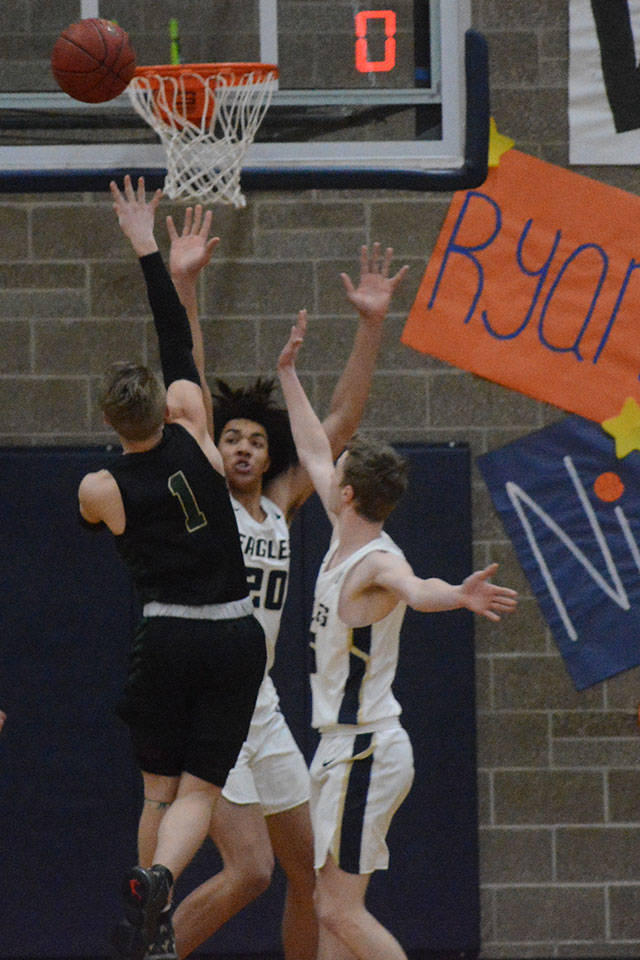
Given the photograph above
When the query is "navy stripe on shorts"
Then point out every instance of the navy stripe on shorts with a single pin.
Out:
(355, 805)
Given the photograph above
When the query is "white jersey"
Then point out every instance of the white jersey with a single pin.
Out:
(266, 552)
(270, 769)
(352, 667)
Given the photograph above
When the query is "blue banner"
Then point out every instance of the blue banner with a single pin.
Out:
(572, 511)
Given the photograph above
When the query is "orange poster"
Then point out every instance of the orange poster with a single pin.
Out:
(535, 284)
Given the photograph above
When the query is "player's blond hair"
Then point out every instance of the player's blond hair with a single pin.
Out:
(378, 475)
(132, 400)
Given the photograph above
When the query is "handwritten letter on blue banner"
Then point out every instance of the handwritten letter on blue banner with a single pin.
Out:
(572, 512)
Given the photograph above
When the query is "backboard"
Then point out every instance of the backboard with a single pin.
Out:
(371, 94)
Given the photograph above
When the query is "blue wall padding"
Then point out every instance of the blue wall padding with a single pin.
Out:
(69, 790)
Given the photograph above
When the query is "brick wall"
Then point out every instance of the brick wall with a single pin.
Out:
(558, 771)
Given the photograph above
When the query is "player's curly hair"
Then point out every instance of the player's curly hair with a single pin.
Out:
(257, 403)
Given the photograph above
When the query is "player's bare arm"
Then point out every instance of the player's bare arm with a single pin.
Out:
(476, 593)
(371, 299)
(136, 215)
(312, 443)
(100, 501)
(188, 409)
(191, 250)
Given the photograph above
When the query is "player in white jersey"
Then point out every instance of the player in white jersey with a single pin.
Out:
(363, 767)
(343, 659)
(264, 807)
(270, 770)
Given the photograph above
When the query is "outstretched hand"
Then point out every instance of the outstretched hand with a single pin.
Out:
(289, 354)
(485, 598)
(136, 216)
(191, 250)
(372, 296)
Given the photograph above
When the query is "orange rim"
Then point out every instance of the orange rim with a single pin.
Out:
(234, 73)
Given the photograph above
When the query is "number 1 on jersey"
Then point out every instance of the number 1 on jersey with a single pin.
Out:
(194, 518)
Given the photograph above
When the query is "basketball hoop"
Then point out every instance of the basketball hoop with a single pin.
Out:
(206, 115)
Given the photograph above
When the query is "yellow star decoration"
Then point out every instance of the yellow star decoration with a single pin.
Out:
(625, 428)
(498, 144)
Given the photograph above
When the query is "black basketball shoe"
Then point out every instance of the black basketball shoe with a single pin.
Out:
(145, 893)
(163, 946)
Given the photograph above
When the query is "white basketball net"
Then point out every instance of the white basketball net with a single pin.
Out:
(204, 157)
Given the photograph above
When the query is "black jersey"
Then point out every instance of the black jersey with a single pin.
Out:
(181, 541)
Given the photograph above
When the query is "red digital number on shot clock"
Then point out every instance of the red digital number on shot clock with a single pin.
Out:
(363, 64)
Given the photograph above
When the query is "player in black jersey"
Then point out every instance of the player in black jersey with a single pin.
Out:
(199, 655)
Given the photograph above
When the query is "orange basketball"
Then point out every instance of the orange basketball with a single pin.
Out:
(93, 60)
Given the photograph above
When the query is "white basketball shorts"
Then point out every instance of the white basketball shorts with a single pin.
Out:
(270, 769)
(358, 781)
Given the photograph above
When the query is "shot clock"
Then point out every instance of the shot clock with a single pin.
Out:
(354, 45)
(362, 21)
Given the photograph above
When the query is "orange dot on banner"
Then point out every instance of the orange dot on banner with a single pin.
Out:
(608, 487)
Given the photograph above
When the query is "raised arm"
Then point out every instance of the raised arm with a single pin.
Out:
(371, 299)
(136, 217)
(184, 394)
(475, 593)
(190, 252)
(312, 445)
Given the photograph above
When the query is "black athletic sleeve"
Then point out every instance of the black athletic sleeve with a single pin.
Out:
(171, 322)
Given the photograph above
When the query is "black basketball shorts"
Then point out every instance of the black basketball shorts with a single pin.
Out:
(190, 693)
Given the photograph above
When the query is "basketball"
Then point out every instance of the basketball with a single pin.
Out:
(93, 60)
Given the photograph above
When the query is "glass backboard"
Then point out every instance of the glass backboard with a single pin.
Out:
(380, 94)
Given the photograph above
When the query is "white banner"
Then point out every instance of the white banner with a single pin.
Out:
(604, 81)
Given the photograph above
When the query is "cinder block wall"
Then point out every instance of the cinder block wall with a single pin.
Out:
(558, 772)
